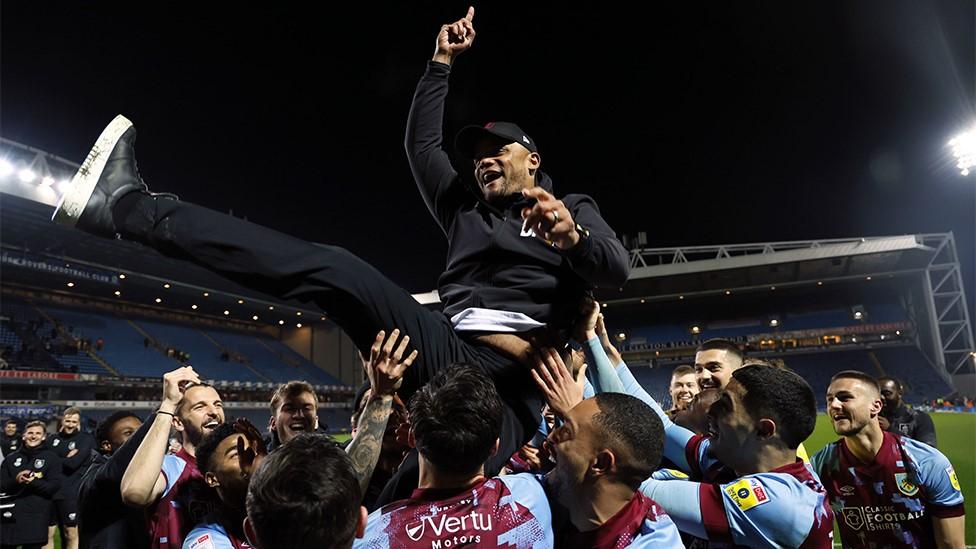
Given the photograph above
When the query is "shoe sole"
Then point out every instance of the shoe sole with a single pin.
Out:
(74, 200)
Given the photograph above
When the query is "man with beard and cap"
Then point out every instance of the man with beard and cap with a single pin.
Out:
(170, 486)
(897, 417)
(10, 440)
(518, 258)
(886, 489)
(227, 458)
(32, 476)
(74, 447)
(104, 521)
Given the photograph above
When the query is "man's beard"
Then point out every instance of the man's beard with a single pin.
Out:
(191, 435)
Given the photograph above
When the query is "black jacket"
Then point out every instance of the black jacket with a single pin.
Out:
(912, 423)
(103, 520)
(9, 445)
(489, 264)
(72, 468)
(32, 501)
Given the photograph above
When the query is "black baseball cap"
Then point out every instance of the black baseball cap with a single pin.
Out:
(469, 135)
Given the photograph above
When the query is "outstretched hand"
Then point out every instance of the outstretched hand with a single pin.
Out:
(386, 364)
(455, 38)
(562, 392)
(549, 219)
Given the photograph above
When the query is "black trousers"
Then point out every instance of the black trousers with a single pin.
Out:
(353, 293)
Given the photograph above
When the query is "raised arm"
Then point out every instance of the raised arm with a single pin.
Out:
(437, 180)
(385, 372)
(144, 482)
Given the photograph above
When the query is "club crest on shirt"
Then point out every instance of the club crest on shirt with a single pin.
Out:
(18, 461)
(747, 493)
(904, 486)
(854, 517)
(38, 463)
(56, 442)
(953, 478)
(71, 445)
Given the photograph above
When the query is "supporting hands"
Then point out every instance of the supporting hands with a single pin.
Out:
(455, 38)
(549, 219)
(586, 322)
(562, 392)
(386, 365)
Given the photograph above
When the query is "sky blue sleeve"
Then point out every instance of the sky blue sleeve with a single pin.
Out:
(775, 508)
(526, 489)
(935, 473)
(604, 376)
(680, 500)
(172, 469)
(203, 537)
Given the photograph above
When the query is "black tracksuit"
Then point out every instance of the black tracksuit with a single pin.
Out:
(9, 445)
(489, 265)
(72, 469)
(33, 501)
(103, 520)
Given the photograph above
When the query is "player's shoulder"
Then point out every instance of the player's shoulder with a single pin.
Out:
(207, 536)
(921, 453)
(826, 458)
(521, 485)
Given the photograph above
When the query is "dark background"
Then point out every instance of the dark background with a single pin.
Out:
(698, 124)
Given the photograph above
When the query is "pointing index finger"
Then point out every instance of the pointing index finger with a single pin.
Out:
(470, 15)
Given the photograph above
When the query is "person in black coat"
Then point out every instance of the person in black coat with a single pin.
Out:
(104, 521)
(74, 447)
(10, 440)
(32, 476)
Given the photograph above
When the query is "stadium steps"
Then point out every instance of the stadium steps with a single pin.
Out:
(293, 358)
(88, 352)
(247, 361)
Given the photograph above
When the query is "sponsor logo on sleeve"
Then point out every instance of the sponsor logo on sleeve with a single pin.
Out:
(904, 485)
(202, 542)
(953, 478)
(747, 493)
(56, 442)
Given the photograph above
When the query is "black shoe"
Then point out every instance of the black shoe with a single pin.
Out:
(107, 174)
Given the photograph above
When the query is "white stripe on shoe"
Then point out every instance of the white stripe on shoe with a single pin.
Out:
(73, 202)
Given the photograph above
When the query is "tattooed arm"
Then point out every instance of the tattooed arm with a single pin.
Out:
(385, 372)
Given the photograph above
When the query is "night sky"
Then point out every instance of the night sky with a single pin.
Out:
(700, 123)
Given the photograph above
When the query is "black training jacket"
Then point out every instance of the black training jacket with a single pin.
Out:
(489, 264)
(32, 501)
(104, 521)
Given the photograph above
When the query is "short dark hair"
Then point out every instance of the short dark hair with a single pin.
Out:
(304, 494)
(717, 344)
(11, 420)
(106, 425)
(630, 427)
(898, 384)
(208, 446)
(187, 387)
(682, 370)
(291, 389)
(863, 377)
(456, 418)
(782, 396)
